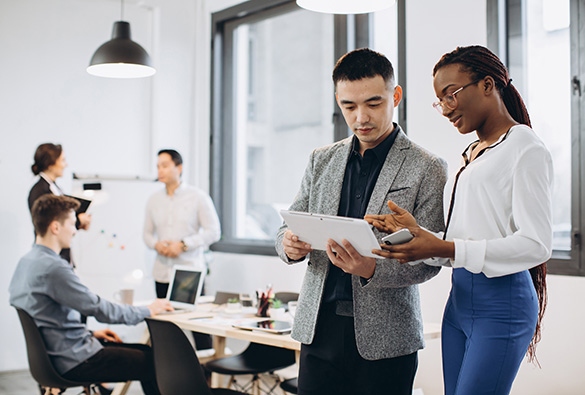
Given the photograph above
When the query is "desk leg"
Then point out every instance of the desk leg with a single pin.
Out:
(121, 388)
(219, 347)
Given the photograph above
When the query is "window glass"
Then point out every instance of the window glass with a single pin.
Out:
(540, 65)
(283, 105)
(384, 39)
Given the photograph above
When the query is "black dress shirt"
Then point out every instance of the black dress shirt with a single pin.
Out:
(359, 180)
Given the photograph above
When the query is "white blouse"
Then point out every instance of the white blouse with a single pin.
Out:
(501, 221)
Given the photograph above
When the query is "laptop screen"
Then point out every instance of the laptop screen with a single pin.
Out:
(185, 287)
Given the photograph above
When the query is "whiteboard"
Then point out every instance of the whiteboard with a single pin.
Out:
(111, 255)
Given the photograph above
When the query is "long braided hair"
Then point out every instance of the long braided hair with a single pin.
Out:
(481, 62)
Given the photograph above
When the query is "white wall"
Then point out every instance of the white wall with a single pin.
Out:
(106, 126)
(117, 126)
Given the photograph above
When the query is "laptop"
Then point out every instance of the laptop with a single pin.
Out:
(184, 288)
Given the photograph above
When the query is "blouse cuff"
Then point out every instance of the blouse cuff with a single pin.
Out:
(470, 254)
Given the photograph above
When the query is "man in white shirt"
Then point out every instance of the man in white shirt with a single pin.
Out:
(181, 222)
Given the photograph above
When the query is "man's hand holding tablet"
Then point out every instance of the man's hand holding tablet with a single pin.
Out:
(294, 248)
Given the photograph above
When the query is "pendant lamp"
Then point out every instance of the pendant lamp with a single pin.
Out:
(121, 57)
(345, 6)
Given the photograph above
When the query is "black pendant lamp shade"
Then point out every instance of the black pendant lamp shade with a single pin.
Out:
(121, 57)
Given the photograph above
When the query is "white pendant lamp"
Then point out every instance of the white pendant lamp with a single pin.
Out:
(345, 6)
(121, 57)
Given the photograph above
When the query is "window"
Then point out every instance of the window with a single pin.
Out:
(273, 103)
(542, 49)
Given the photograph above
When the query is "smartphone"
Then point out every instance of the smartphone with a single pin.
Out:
(399, 237)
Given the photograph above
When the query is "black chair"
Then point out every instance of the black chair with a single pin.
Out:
(286, 297)
(223, 297)
(254, 360)
(290, 385)
(177, 367)
(39, 362)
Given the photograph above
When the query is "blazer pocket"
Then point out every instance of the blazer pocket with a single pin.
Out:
(394, 190)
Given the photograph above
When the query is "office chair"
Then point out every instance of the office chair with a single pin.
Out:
(290, 385)
(286, 297)
(177, 367)
(39, 362)
(254, 360)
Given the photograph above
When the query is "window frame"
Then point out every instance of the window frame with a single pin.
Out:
(350, 32)
(498, 22)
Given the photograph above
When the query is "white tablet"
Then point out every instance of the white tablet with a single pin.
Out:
(272, 326)
(316, 229)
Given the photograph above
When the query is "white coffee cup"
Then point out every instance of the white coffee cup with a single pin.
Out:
(125, 296)
(292, 307)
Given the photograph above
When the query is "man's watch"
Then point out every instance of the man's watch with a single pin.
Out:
(184, 246)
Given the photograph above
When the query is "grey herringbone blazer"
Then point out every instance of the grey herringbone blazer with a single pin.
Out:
(388, 320)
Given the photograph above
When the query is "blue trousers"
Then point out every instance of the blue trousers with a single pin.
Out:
(487, 327)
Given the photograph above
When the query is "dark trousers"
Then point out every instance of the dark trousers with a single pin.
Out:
(332, 364)
(203, 341)
(118, 362)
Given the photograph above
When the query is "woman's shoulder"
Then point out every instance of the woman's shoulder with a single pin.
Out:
(524, 137)
(40, 188)
(527, 145)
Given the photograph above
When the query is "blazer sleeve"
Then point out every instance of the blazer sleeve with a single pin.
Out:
(39, 189)
(300, 203)
(428, 211)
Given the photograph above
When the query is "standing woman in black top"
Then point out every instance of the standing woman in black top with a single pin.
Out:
(49, 165)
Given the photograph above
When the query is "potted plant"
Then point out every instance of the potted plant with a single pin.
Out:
(277, 308)
(233, 305)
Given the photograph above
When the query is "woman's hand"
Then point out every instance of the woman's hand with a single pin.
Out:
(389, 223)
(424, 245)
(84, 221)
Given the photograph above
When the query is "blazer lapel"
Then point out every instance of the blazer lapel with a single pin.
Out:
(391, 167)
(330, 206)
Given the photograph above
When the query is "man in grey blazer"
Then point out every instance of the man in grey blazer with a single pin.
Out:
(359, 318)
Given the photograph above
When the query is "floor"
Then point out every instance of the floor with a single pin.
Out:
(21, 383)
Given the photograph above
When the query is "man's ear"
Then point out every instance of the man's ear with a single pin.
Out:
(54, 227)
(397, 97)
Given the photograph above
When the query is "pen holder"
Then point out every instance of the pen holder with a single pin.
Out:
(263, 309)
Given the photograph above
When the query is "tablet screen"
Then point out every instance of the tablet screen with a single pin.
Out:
(273, 326)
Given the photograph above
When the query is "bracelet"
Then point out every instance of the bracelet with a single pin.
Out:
(184, 246)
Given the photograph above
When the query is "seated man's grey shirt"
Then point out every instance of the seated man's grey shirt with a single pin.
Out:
(46, 287)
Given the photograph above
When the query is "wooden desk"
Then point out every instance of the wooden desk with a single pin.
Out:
(212, 320)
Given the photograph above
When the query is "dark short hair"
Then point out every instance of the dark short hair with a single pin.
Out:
(363, 63)
(49, 208)
(175, 156)
(46, 155)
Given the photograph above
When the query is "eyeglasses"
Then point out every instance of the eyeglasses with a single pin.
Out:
(450, 100)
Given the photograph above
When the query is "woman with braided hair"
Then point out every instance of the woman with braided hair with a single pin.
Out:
(498, 231)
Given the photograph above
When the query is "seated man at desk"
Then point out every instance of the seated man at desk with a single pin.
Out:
(46, 287)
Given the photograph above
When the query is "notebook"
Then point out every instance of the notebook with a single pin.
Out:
(185, 287)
